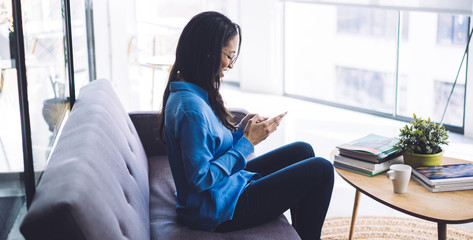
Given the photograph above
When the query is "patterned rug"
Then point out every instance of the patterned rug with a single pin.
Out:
(380, 227)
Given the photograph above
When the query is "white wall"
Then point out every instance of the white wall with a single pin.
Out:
(262, 46)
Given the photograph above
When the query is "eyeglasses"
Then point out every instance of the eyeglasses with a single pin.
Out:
(229, 56)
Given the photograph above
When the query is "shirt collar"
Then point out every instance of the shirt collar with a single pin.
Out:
(178, 86)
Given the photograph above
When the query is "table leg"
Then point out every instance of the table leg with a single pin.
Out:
(442, 230)
(353, 215)
(2, 79)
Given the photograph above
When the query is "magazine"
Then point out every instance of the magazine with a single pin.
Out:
(445, 174)
(445, 187)
(372, 148)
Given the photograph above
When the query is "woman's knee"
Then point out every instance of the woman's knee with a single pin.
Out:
(303, 148)
(321, 166)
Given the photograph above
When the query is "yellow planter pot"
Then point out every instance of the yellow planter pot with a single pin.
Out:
(416, 160)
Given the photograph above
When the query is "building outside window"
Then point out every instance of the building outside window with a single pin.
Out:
(452, 29)
(442, 91)
(366, 21)
(365, 87)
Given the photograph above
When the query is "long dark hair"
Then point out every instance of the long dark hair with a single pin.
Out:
(198, 59)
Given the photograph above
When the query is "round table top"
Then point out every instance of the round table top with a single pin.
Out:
(446, 207)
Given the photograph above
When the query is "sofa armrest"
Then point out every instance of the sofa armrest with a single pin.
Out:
(147, 126)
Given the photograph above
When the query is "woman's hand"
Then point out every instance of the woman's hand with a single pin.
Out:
(244, 121)
(259, 128)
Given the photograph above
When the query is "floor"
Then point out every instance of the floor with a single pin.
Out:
(325, 127)
(9, 209)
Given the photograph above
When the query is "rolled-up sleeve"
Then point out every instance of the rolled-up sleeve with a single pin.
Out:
(202, 168)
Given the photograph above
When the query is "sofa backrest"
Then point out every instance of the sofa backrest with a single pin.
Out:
(96, 182)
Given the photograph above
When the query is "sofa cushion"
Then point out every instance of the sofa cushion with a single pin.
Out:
(165, 223)
(96, 182)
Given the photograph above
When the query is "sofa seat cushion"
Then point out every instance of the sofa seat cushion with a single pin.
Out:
(164, 220)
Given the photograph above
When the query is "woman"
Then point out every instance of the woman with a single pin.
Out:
(217, 189)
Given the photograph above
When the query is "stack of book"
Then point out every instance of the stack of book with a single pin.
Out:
(369, 155)
(451, 177)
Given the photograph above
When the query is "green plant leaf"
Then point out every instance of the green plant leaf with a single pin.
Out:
(422, 136)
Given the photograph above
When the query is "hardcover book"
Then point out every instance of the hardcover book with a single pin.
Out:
(369, 168)
(445, 174)
(372, 148)
(355, 170)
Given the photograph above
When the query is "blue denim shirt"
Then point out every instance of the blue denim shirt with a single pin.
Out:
(206, 159)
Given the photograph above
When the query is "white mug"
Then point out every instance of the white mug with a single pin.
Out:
(400, 174)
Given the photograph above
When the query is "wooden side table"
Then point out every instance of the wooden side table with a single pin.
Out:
(444, 208)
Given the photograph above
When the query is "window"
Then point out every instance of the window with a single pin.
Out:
(329, 59)
(80, 44)
(48, 89)
(383, 61)
(424, 61)
(45, 92)
(12, 194)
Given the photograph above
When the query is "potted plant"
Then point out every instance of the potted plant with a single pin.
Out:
(55, 108)
(421, 142)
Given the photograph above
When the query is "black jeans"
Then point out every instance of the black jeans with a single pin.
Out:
(292, 179)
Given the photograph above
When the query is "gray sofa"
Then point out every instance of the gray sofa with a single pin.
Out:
(109, 178)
